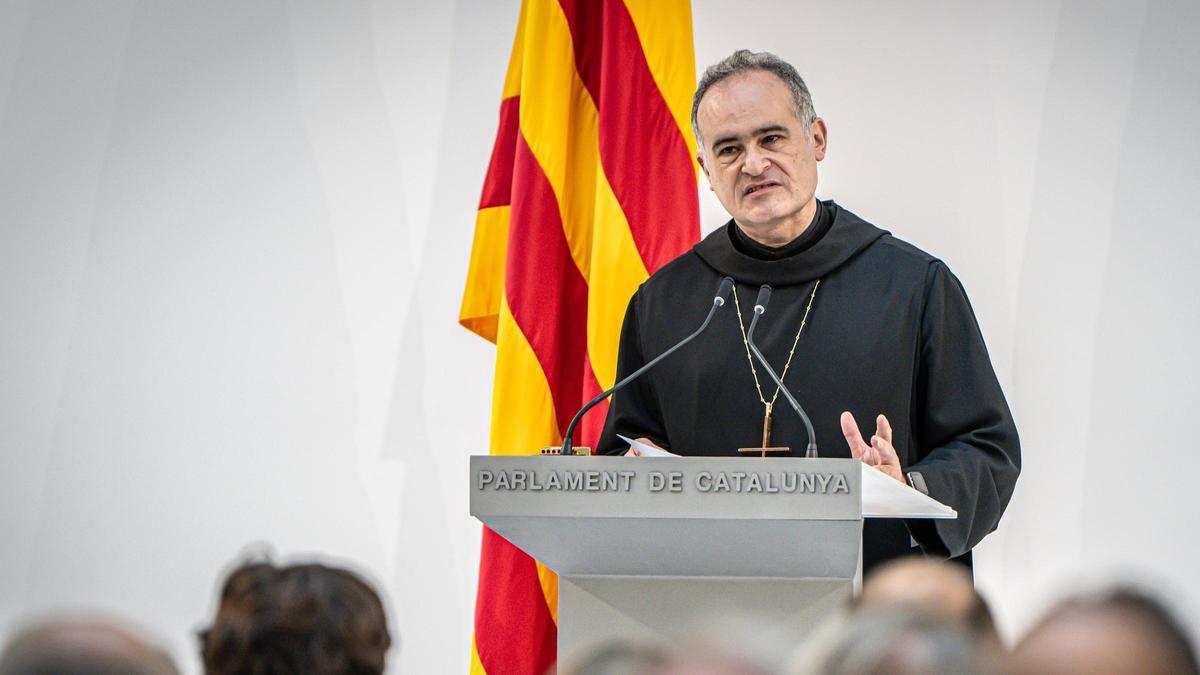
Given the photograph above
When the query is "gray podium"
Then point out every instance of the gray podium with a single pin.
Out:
(645, 547)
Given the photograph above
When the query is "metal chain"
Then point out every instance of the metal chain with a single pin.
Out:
(746, 341)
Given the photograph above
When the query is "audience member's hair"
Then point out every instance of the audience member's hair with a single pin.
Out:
(82, 647)
(1120, 630)
(937, 586)
(897, 640)
(296, 619)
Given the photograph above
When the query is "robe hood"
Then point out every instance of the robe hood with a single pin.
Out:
(847, 236)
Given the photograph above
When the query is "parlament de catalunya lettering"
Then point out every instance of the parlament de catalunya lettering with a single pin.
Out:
(765, 482)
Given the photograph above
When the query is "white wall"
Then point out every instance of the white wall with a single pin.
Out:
(233, 238)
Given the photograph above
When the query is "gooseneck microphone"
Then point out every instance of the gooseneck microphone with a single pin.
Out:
(717, 302)
(760, 307)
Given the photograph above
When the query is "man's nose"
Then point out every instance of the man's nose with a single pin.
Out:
(755, 164)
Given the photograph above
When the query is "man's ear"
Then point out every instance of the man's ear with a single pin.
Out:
(704, 168)
(820, 138)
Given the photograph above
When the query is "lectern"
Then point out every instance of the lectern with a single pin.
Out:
(646, 546)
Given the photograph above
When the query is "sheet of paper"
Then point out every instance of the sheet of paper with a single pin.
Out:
(886, 497)
(646, 450)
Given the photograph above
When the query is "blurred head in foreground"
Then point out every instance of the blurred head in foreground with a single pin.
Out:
(82, 647)
(1121, 631)
(296, 619)
(938, 587)
(894, 640)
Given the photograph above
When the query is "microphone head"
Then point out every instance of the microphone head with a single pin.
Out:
(764, 296)
(723, 291)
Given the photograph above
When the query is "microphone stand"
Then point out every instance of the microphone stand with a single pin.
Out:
(718, 302)
(764, 294)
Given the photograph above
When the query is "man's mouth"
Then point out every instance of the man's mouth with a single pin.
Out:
(758, 187)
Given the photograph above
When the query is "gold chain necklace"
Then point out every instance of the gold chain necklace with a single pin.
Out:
(769, 407)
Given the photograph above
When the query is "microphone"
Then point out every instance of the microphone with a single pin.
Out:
(717, 302)
(760, 307)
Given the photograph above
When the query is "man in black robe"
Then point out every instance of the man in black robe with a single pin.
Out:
(888, 334)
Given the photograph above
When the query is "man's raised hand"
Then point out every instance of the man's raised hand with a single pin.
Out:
(879, 453)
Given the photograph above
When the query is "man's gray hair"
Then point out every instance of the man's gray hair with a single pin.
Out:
(744, 60)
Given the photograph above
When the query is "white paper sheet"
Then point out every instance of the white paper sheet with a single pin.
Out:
(885, 497)
(646, 450)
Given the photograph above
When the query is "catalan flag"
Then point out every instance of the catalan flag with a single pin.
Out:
(590, 189)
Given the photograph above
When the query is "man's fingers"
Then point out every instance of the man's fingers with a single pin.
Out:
(885, 451)
(883, 428)
(876, 458)
(634, 452)
(853, 437)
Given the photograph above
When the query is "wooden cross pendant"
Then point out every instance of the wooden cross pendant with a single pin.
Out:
(766, 439)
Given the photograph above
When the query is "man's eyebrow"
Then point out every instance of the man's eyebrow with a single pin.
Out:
(771, 128)
(723, 140)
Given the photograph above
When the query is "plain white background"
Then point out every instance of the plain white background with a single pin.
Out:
(233, 239)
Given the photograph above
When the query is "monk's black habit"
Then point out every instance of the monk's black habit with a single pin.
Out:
(891, 331)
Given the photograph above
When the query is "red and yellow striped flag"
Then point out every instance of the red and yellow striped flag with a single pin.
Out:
(591, 187)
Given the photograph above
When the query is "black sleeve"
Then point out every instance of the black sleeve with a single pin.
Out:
(634, 410)
(965, 439)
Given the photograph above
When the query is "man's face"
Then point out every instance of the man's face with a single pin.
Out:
(755, 153)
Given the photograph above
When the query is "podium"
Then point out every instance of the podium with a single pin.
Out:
(646, 546)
